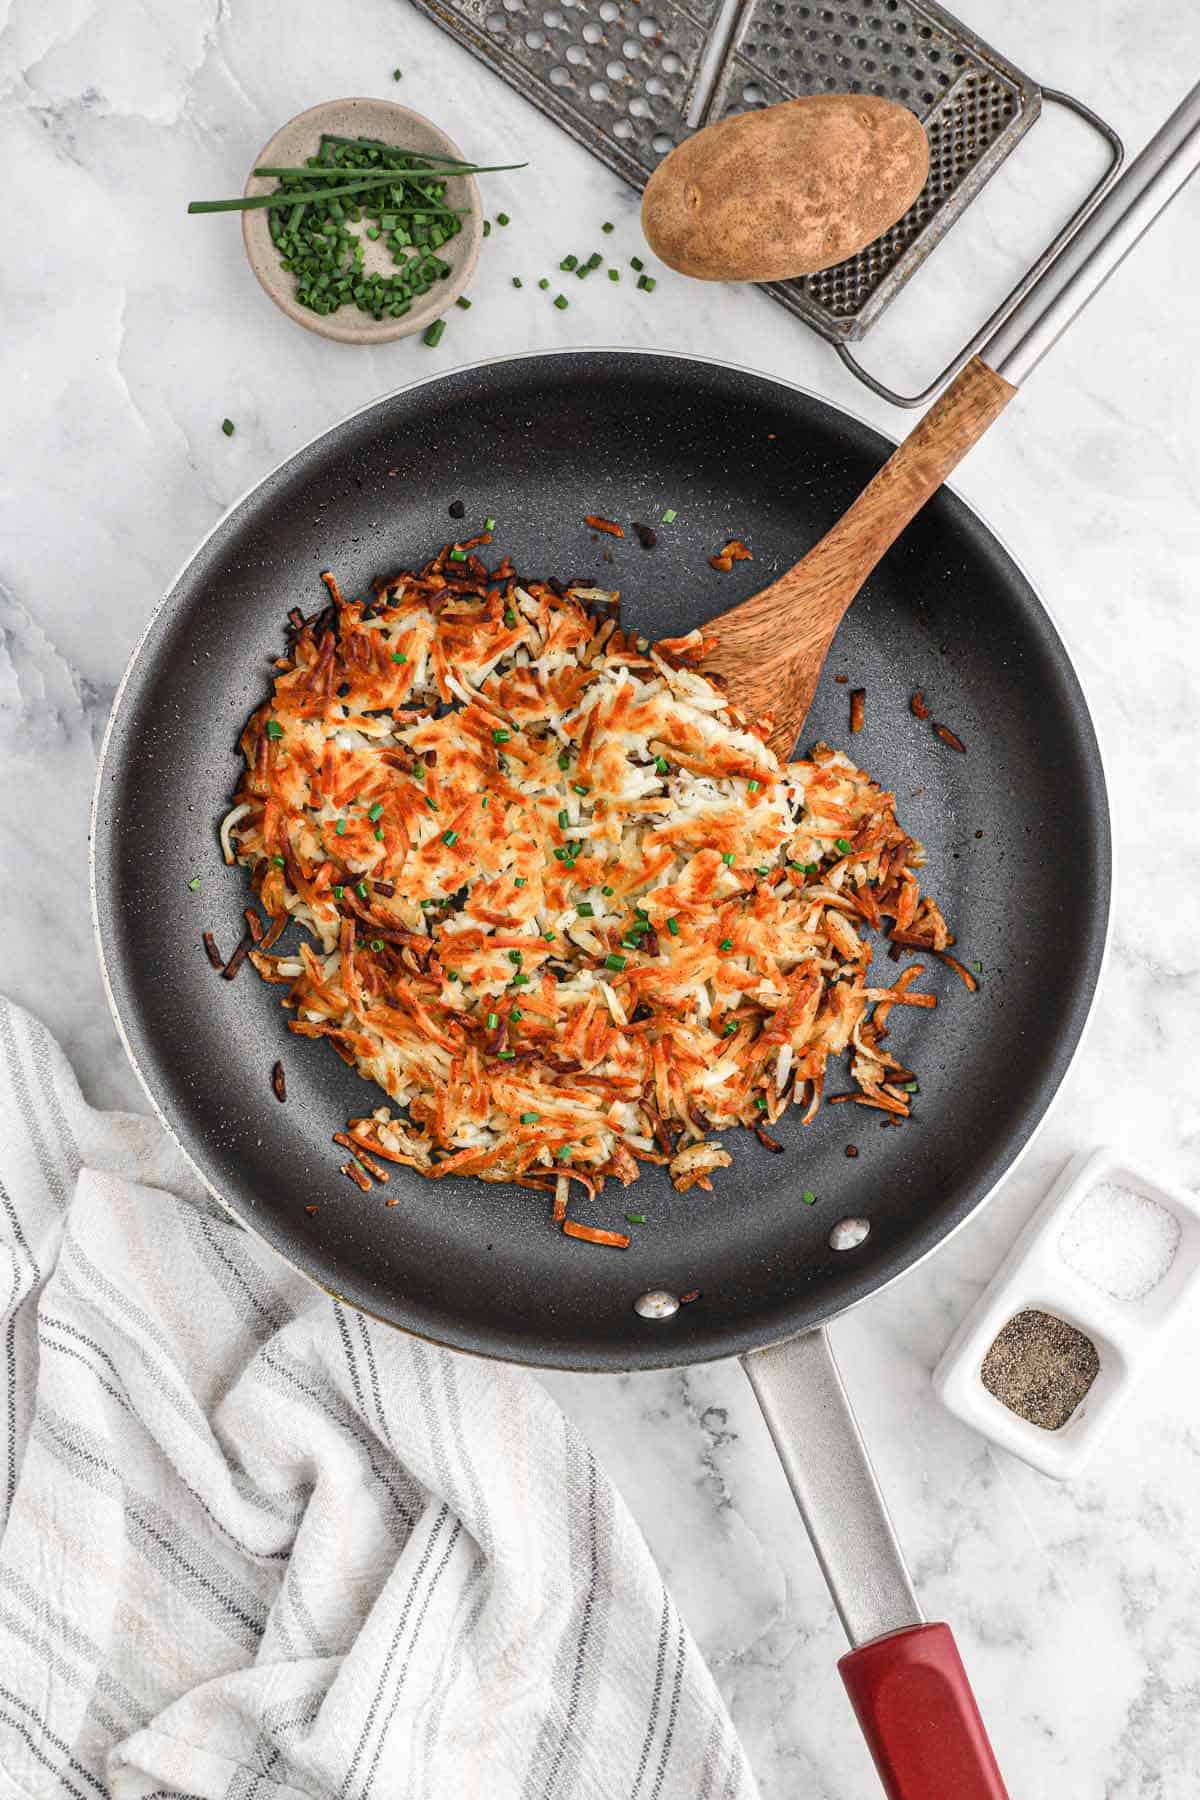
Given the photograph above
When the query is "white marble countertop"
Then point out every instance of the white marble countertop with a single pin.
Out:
(130, 331)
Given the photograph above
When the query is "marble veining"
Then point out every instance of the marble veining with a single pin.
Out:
(130, 331)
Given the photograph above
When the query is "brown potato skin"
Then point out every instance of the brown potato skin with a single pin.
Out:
(785, 190)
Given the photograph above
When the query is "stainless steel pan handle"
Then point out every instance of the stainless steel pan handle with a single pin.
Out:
(905, 1678)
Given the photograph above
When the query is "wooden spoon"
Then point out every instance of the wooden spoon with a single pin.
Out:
(771, 648)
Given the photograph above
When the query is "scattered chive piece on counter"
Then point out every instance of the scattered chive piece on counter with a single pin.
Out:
(517, 282)
(463, 302)
(614, 274)
(568, 263)
(607, 225)
(228, 427)
(502, 218)
(396, 74)
(487, 228)
(561, 301)
(543, 283)
(432, 335)
(635, 262)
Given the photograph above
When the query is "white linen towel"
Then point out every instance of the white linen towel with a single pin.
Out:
(255, 1547)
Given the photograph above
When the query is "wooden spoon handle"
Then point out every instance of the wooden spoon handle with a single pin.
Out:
(769, 650)
(827, 579)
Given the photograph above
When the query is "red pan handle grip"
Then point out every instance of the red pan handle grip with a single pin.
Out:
(919, 1717)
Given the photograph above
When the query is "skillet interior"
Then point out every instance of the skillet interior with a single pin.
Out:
(1017, 834)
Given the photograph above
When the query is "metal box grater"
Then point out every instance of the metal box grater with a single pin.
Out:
(630, 78)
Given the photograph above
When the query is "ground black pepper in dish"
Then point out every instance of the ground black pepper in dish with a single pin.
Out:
(1040, 1368)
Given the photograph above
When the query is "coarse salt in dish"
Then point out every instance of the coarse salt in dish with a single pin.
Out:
(1121, 1241)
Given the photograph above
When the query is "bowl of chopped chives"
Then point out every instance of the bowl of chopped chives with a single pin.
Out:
(374, 224)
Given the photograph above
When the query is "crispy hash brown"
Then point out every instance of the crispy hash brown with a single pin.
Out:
(559, 901)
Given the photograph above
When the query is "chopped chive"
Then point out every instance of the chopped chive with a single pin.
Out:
(607, 891)
(520, 881)
(730, 1028)
(398, 656)
(463, 302)
(451, 974)
(543, 283)
(489, 524)
(564, 761)
(808, 1197)
(607, 225)
(361, 890)
(563, 1153)
(561, 301)
(614, 274)
(760, 1103)
(560, 855)
(506, 1055)
(585, 909)
(844, 845)
(579, 787)
(662, 766)
(726, 944)
(457, 555)
(762, 869)
(647, 283)
(487, 228)
(727, 858)
(514, 956)
(673, 927)
(517, 282)
(492, 1020)
(752, 787)
(530, 1118)
(670, 516)
(520, 981)
(228, 427)
(431, 803)
(376, 943)
(594, 260)
(564, 819)
(635, 262)
(274, 728)
(450, 838)
(483, 804)
(978, 967)
(279, 862)
(515, 1015)
(500, 736)
(379, 833)
(376, 811)
(338, 891)
(568, 263)
(613, 961)
(433, 335)
(340, 827)
(911, 1087)
(510, 617)
(502, 218)
(636, 1218)
(547, 937)
(194, 884)
(396, 74)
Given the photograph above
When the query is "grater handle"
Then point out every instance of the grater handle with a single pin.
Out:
(1100, 246)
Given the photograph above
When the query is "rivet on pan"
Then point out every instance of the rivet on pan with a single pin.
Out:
(847, 1234)
(656, 1305)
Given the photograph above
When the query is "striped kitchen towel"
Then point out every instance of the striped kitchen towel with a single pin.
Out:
(255, 1547)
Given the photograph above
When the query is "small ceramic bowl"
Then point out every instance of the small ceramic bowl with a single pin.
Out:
(1130, 1331)
(403, 129)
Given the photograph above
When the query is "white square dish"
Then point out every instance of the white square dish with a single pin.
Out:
(1129, 1334)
